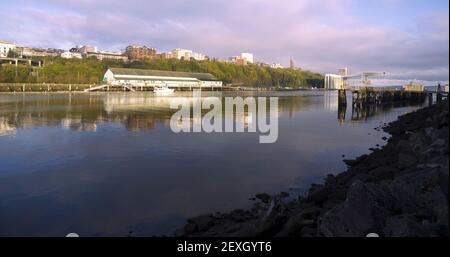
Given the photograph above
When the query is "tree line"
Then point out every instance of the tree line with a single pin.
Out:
(91, 71)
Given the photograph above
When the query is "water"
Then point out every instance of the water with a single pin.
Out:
(107, 164)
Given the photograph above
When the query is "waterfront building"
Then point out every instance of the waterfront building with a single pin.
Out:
(248, 57)
(5, 47)
(135, 52)
(152, 78)
(334, 81)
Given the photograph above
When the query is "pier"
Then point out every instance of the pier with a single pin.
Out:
(363, 96)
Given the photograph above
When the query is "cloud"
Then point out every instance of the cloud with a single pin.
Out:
(319, 35)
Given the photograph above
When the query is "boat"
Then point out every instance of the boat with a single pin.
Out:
(163, 89)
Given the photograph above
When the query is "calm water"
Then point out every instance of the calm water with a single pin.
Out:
(106, 164)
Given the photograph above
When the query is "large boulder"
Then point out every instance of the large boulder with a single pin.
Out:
(365, 210)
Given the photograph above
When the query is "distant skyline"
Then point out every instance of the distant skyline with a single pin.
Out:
(409, 39)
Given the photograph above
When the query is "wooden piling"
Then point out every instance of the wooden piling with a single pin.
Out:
(342, 97)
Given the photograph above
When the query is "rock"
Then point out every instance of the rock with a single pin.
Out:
(283, 194)
(265, 198)
(308, 232)
(407, 225)
(366, 209)
(190, 228)
(202, 222)
(421, 192)
(319, 194)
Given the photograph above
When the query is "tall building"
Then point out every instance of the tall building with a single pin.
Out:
(134, 52)
(291, 64)
(248, 57)
(5, 47)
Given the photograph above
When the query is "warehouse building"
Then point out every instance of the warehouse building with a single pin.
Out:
(152, 78)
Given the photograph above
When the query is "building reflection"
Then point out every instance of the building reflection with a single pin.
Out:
(6, 129)
(136, 112)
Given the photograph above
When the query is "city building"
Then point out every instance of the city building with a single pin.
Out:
(413, 87)
(198, 56)
(248, 57)
(238, 60)
(135, 52)
(276, 66)
(186, 54)
(291, 64)
(167, 55)
(179, 54)
(38, 52)
(103, 55)
(152, 78)
(72, 53)
(87, 49)
(5, 47)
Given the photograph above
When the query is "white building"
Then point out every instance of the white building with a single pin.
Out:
(182, 53)
(276, 66)
(103, 55)
(151, 78)
(70, 55)
(248, 57)
(87, 49)
(187, 54)
(5, 47)
(333, 81)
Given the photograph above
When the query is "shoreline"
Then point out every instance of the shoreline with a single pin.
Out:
(400, 189)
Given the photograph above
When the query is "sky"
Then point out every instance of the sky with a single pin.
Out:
(408, 39)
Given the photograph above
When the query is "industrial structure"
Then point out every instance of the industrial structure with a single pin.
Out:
(340, 80)
(139, 79)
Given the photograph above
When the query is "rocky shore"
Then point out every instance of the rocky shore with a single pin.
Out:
(400, 189)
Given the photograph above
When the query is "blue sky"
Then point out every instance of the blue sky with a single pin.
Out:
(406, 38)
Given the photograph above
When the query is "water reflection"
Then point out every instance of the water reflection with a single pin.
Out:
(137, 111)
(105, 164)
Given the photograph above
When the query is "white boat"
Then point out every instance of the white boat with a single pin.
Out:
(163, 89)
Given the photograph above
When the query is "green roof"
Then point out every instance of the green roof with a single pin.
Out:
(163, 73)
